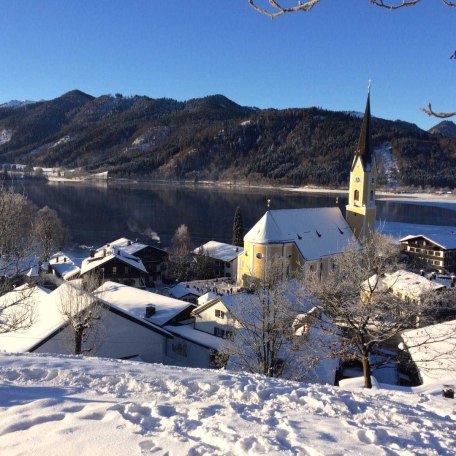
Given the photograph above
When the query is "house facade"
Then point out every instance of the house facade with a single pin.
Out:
(114, 264)
(154, 259)
(434, 252)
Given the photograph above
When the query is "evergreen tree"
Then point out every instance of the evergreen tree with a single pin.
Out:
(238, 228)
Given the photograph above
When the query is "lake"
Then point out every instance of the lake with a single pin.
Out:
(97, 214)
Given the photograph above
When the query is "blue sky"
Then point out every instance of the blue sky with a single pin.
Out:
(190, 48)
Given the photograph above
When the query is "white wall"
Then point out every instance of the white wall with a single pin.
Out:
(206, 320)
(116, 337)
(193, 355)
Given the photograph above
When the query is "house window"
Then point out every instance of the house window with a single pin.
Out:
(219, 332)
(114, 270)
(229, 335)
(372, 195)
(356, 196)
(219, 313)
(179, 348)
(126, 270)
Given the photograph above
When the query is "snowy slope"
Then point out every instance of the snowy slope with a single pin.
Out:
(70, 406)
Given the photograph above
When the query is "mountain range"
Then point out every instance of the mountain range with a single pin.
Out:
(214, 138)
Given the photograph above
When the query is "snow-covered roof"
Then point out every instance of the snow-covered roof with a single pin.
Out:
(64, 266)
(446, 241)
(199, 337)
(220, 251)
(46, 317)
(433, 350)
(317, 232)
(181, 289)
(134, 301)
(410, 283)
(209, 296)
(104, 255)
(125, 244)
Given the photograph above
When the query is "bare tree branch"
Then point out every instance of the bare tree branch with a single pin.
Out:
(441, 115)
(278, 9)
(404, 3)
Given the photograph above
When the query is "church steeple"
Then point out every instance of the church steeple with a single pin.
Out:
(364, 149)
(363, 179)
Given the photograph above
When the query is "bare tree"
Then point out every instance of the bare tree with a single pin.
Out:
(17, 309)
(49, 232)
(355, 300)
(16, 258)
(264, 340)
(274, 8)
(179, 254)
(83, 312)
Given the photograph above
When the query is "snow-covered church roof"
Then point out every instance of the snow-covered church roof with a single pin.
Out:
(317, 232)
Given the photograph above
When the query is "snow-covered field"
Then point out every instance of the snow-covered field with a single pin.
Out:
(68, 406)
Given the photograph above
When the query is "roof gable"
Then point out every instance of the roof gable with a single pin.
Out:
(106, 255)
(445, 241)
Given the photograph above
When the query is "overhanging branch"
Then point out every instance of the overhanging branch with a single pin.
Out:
(276, 9)
(441, 115)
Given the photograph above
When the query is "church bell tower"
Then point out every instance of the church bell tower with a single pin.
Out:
(363, 181)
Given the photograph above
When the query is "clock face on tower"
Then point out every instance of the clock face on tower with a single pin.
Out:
(357, 179)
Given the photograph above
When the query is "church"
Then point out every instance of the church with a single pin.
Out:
(311, 237)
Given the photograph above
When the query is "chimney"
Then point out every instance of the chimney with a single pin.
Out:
(57, 259)
(150, 310)
(104, 253)
(422, 272)
(64, 259)
(92, 253)
(129, 242)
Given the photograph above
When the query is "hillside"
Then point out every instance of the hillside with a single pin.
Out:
(74, 406)
(445, 128)
(211, 138)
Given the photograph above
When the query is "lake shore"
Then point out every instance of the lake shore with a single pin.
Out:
(382, 194)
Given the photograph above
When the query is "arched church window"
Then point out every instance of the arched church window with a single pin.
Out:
(356, 195)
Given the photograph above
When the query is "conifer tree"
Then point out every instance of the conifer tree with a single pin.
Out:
(238, 228)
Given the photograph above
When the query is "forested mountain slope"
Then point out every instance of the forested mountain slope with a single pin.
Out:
(211, 138)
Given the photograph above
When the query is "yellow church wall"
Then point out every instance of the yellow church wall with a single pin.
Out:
(249, 264)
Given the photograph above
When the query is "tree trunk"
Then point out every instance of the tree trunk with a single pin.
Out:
(78, 333)
(366, 370)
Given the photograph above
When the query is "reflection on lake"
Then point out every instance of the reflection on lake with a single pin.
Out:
(95, 215)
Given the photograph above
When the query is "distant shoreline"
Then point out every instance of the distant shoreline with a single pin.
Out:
(382, 194)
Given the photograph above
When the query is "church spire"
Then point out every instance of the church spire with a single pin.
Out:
(364, 149)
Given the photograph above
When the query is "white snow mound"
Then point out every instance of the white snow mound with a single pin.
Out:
(55, 405)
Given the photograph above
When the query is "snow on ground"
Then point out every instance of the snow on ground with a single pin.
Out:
(388, 166)
(61, 405)
(5, 136)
